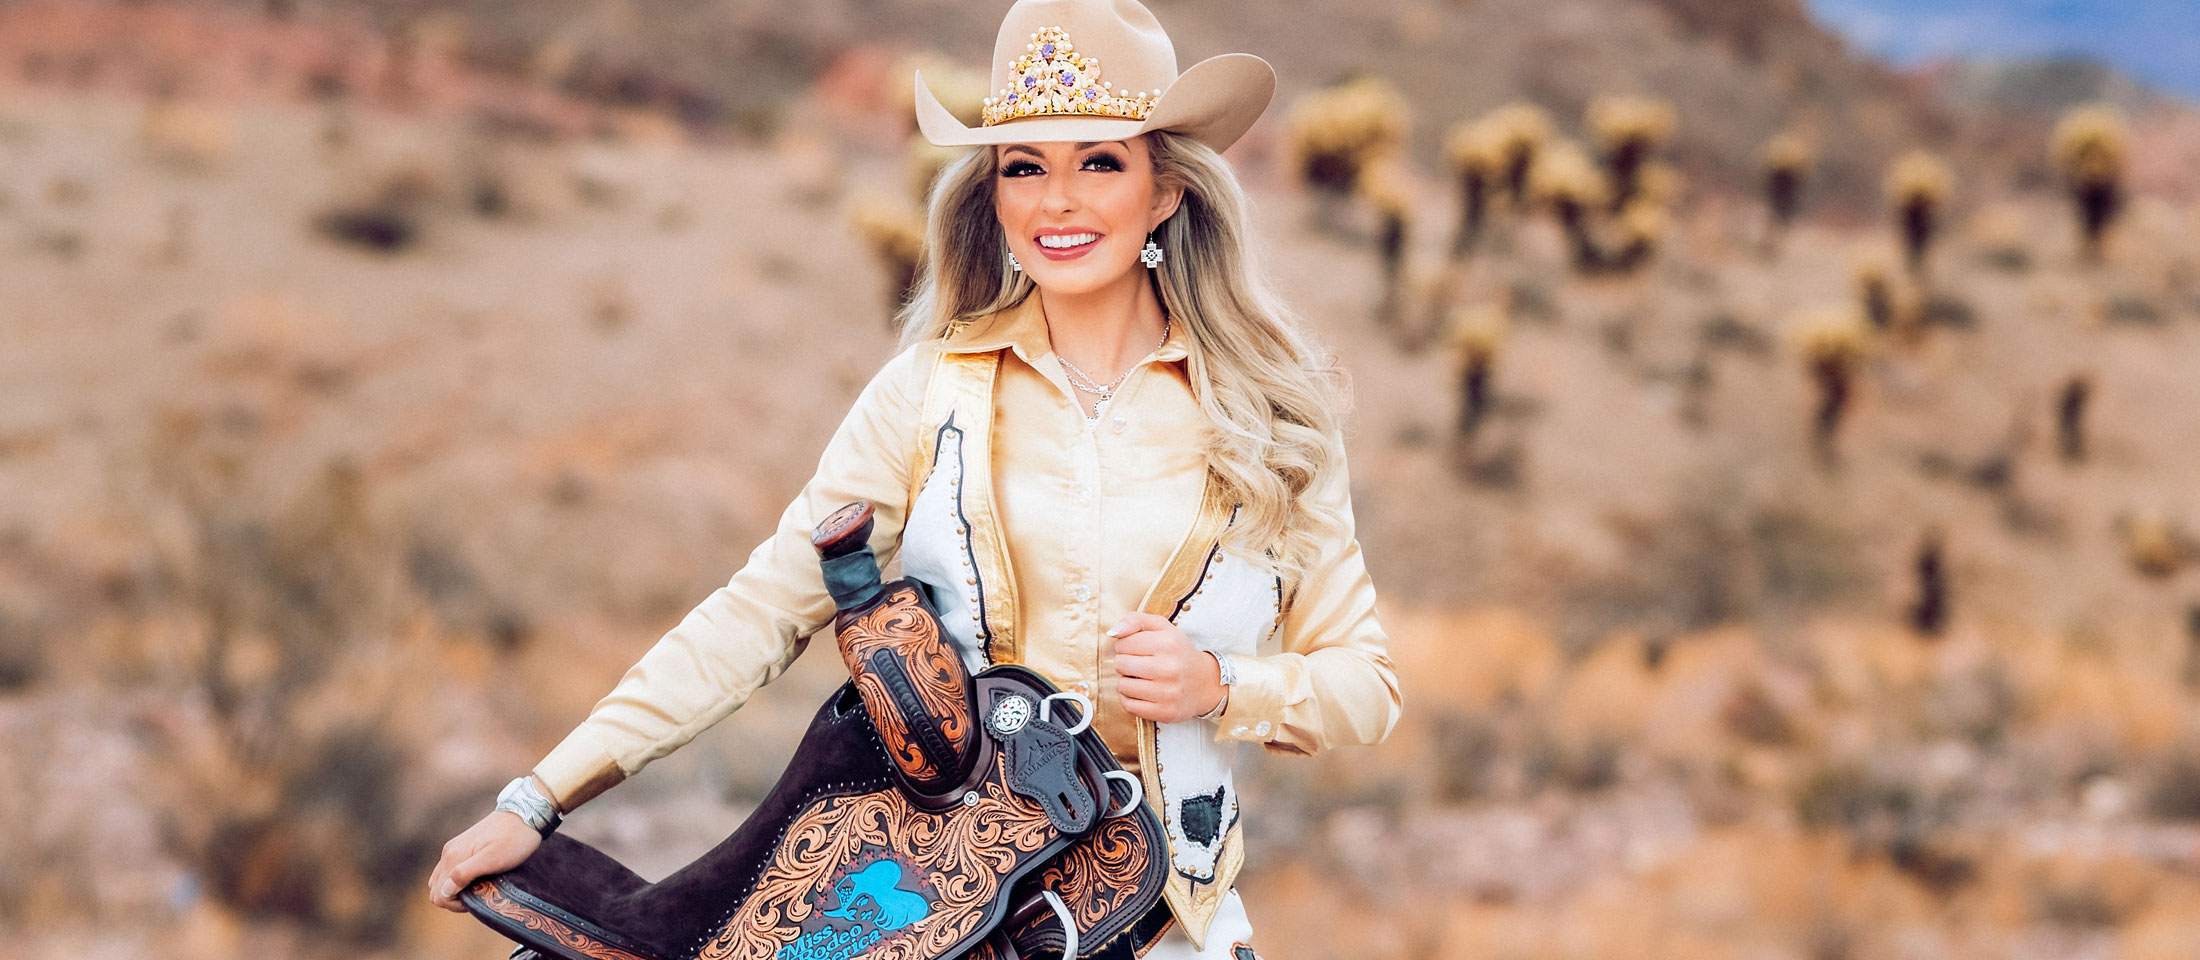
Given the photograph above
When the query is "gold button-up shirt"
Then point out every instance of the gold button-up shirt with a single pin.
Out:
(1092, 512)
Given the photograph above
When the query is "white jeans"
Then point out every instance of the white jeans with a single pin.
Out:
(1229, 928)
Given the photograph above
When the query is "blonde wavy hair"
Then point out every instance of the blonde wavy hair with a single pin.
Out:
(1274, 398)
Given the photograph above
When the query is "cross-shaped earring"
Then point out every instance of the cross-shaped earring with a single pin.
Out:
(1013, 265)
(1151, 256)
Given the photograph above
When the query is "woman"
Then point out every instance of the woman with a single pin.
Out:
(1167, 468)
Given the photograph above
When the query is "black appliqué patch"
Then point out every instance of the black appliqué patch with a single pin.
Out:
(1243, 951)
(1202, 815)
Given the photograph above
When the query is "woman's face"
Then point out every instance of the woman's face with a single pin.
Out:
(1098, 197)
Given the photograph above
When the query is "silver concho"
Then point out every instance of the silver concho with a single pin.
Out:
(1009, 716)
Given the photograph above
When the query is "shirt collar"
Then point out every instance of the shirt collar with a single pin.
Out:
(1023, 328)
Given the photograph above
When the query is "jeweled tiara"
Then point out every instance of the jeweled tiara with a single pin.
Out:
(1050, 80)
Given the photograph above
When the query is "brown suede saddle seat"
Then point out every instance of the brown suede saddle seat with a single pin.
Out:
(928, 814)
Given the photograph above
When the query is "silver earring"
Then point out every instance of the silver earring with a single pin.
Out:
(1151, 256)
(1012, 264)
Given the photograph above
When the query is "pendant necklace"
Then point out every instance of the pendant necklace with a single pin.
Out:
(1084, 381)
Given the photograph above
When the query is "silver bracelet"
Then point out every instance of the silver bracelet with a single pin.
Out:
(1228, 677)
(521, 797)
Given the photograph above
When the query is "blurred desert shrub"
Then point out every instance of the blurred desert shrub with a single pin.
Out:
(386, 213)
(2089, 146)
(1630, 130)
(1476, 336)
(1383, 188)
(895, 236)
(1568, 183)
(1517, 133)
(1476, 163)
(1786, 160)
(291, 770)
(1888, 302)
(1918, 186)
(1832, 342)
(1333, 135)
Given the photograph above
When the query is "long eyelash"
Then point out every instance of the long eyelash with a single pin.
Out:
(1014, 169)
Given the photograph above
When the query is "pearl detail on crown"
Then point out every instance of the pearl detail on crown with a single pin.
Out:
(1050, 80)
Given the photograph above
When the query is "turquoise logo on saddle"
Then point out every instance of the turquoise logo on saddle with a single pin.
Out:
(873, 899)
(874, 896)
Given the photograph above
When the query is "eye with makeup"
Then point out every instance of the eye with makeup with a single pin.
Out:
(1103, 161)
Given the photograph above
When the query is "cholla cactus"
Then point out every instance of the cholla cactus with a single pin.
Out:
(1787, 161)
(897, 238)
(1476, 160)
(1383, 187)
(1918, 187)
(1875, 292)
(1567, 182)
(1630, 129)
(2089, 146)
(1640, 227)
(2070, 417)
(1476, 335)
(1832, 342)
(1929, 614)
(1335, 133)
(1517, 133)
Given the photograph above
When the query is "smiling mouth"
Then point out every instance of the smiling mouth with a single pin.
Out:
(1052, 252)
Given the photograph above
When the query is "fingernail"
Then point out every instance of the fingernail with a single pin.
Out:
(1116, 631)
(448, 890)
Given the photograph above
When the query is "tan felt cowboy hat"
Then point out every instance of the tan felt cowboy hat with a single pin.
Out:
(1099, 70)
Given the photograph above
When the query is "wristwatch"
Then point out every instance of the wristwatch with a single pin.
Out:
(1229, 676)
(521, 797)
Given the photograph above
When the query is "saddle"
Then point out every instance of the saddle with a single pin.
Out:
(928, 814)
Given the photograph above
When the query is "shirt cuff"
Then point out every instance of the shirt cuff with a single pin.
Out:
(1255, 700)
(576, 771)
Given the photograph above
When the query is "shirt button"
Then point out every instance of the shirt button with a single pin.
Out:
(1084, 493)
(1117, 424)
(1260, 729)
(1239, 730)
(1082, 592)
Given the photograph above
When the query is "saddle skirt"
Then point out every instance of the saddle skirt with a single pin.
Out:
(928, 814)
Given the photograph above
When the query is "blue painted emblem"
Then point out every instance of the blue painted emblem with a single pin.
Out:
(874, 896)
(874, 903)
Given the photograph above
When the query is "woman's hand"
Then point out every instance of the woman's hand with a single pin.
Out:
(1165, 678)
(496, 843)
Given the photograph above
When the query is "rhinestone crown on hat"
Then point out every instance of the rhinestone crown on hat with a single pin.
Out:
(1050, 80)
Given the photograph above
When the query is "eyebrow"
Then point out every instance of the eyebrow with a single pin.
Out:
(1082, 146)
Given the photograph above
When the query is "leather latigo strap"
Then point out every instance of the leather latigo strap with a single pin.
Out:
(911, 825)
(912, 679)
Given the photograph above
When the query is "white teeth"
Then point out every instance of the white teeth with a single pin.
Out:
(1068, 240)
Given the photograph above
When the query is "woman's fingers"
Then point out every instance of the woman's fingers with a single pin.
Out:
(499, 842)
(1149, 691)
(1136, 621)
(442, 886)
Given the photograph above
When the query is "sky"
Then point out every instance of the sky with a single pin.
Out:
(2154, 41)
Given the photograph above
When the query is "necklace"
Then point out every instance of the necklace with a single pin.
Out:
(1105, 392)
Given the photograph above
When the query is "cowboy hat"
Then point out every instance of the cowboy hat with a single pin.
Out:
(1100, 70)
